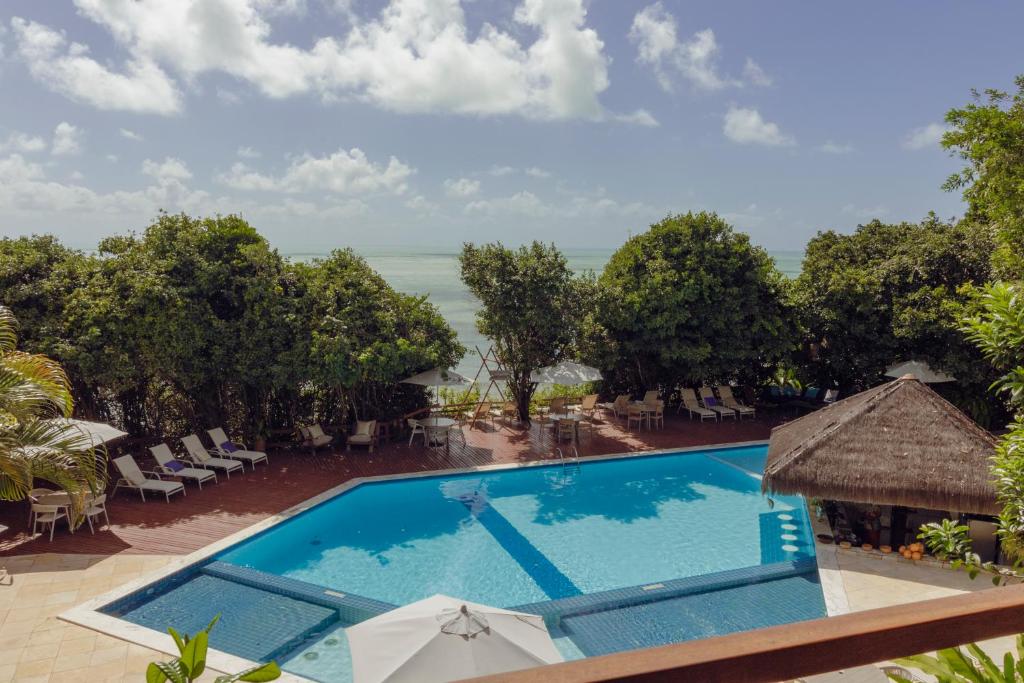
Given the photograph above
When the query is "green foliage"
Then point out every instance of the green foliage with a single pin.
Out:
(893, 292)
(989, 135)
(953, 665)
(34, 388)
(689, 301)
(191, 662)
(198, 321)
(786, 378)
(532, 307)
(946, 540)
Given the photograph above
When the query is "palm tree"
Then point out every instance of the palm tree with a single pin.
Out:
(34, 389)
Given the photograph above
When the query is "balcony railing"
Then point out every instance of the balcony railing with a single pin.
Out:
(804, 648)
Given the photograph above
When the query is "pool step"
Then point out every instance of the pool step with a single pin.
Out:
(554, 611)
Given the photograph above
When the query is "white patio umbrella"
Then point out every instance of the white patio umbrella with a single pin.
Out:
(444, 639)
(92, 433)
(567, 373)
(920, 370)
(438, 377)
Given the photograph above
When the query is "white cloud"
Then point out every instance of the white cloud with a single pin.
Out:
(131, 135)
(925, 136)
(422, 205)
(414, 56)
(528, 204)
(228, 96)
(640, 117)
(499, 171)
(830, 147)
(168, 169)
(755, 75)
(77, 175)
(655, 35)
(461, 187)
(112, 158)
(68, 70)
(22, 142)
(67, 139)
(24, 188)
(521, 203)
(535, 172)
(865, 212)
(746, 126)
(248, 153)
(343, 172)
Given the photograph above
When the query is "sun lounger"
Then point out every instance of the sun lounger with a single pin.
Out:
(693, 407)
(134, 478)
(729, 401)
(365, 435)
(172, 467)
(200, 457)
(226, 448)
(710, 401)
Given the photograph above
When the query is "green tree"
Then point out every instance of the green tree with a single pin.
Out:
(998, 330)
(531, 308)
(34, 388)
(892, 292)
(989, 135)
(690, 300)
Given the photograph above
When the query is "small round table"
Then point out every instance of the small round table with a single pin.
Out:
(435, 426)
(576, 418)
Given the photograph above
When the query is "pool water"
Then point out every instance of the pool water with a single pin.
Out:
(584, 545)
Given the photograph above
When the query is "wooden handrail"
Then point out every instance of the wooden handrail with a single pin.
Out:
(804, 648)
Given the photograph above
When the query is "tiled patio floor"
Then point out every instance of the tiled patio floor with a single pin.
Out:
(201, 517)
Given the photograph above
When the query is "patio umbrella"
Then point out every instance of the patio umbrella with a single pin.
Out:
(920, 370)
(94, 433)
(567, 373)
(445, 639)
(438, 377)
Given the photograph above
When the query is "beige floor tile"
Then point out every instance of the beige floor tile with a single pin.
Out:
(37, 667)
(76, 663)
(6, 672)
(77, 646)
(34, 652)
(110, 654)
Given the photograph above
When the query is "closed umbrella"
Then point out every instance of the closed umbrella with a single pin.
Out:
(921, 371)
(445, 639)
(566, 373)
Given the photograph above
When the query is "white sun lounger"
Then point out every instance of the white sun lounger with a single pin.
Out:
(689, 402)
(219, 438)
(200, 457)
(134, 478)
(707, 397)
(165, 459)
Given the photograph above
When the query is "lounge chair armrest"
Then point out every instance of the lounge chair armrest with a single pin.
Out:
(153, 472)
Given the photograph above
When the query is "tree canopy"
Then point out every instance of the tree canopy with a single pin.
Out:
(894, 292)
(531, 308)
(690, 301)
(989, 135)
(198, 321)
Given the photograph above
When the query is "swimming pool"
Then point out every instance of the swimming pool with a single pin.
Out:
(614, 553)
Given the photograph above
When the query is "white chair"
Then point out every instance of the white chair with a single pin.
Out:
(171, 466)
(689, 402)
(729, 401)
(33, 497)
(365, 435)
(656, 414)
(226, 448)
(637, 414)
(710, 401)
(47, 515)
(200, 457)
(94, 507)
(417, 428)
(313, 436)
(650, 397)
(134, 478)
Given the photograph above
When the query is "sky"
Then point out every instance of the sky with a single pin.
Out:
(427, 123)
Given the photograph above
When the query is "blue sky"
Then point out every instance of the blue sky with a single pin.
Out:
(430, 122)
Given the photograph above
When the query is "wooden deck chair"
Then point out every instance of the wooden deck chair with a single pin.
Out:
(226, 448)
(200, 457)
(134, 478)
(172, 467)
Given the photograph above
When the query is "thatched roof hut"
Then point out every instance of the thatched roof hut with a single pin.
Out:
(897, 444)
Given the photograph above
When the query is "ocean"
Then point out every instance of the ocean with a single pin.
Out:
(436, 272)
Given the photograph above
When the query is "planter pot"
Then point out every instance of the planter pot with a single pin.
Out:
(260, 444)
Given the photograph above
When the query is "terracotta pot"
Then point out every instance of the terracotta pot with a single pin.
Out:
(915, 556)
(866, 546)
(845, 544)
(260, 443)
(885, 549)
(902, 548)
(907, 554)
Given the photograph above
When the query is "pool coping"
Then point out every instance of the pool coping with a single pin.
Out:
(87, 614)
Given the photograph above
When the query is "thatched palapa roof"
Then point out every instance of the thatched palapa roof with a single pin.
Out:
(897, 444)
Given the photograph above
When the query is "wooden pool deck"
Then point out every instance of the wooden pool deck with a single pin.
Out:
(199, 518)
